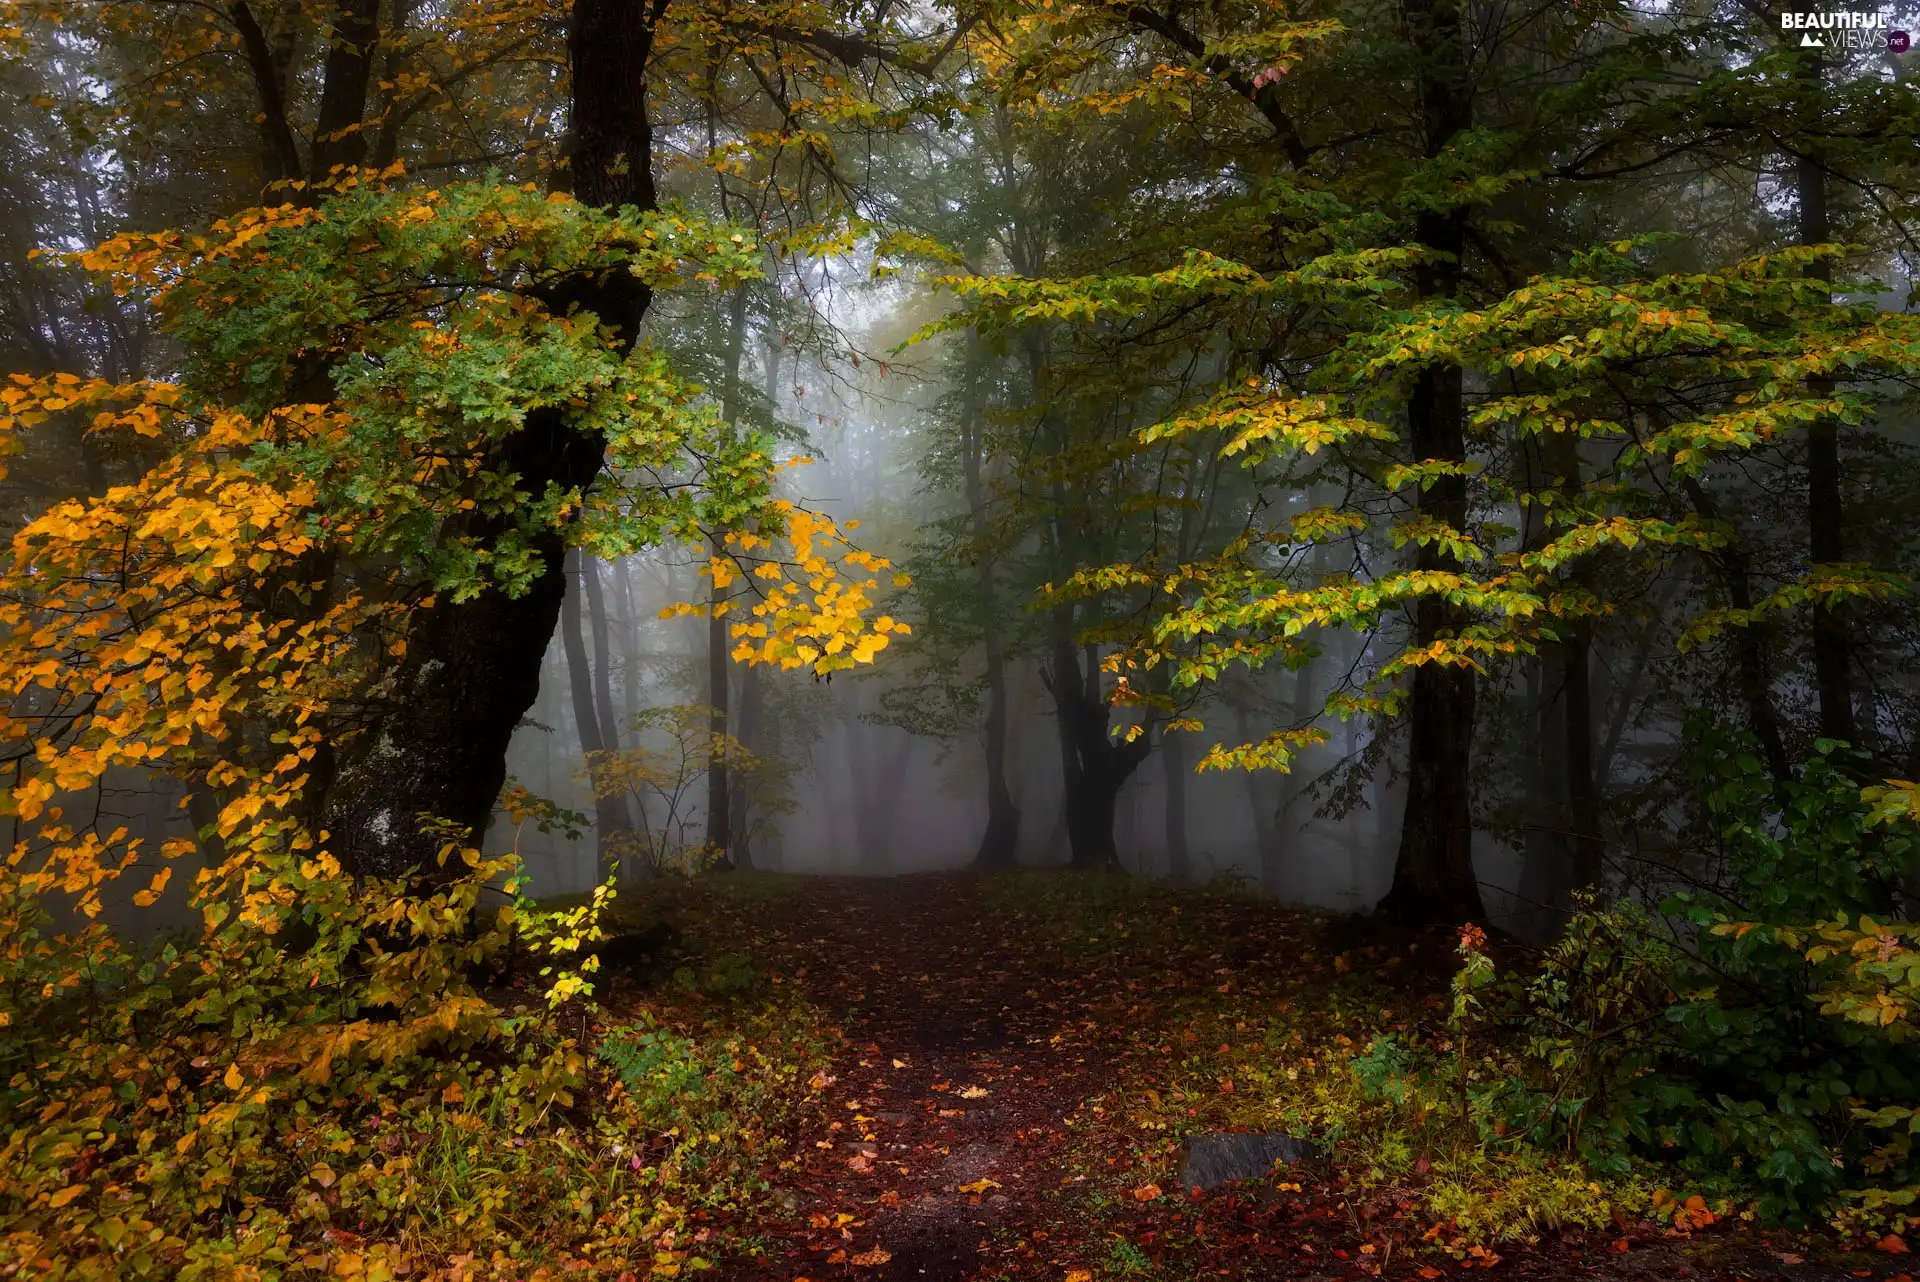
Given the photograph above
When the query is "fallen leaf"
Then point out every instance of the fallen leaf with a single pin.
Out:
(979, 1186)
(1893, 1244)
(1429, 1273)
(873, 1258)
(1079, 1275)
(860, 1162)
(974, 1092)
(1147, 1192)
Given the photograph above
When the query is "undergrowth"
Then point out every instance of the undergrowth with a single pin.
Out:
(328, 1093)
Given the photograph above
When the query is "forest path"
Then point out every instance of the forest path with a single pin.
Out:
(1017, 1058)
(968, 1053)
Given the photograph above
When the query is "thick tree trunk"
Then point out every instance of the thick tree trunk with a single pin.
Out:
(1433, 878)
(472, 668)
(339, 134)
(1574, 653)
(1094, 766)
(1826, 518)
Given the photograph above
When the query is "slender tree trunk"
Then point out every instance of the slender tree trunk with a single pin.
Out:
(1583, 793)
(999, 845)
(609, 809)
(1826, 516)
(472, 668)
(1749, 643)
(1174, 767)
(1264, 809)
(747, 735)
(719, 648)
(598, 623)
(1433, 879)
(630, 666)
(875, 787)
(719, 782)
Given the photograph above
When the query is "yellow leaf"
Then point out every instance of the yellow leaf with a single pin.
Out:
(66, 1195)
(233, 1078)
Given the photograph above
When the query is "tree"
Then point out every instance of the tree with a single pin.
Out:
(352, 593)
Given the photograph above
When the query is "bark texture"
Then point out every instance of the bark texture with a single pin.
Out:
(1433, 878)
(472, 668)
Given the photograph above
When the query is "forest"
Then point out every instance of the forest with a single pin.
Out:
(947, 639)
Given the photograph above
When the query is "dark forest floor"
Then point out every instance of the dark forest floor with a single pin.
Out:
(1012, 1063)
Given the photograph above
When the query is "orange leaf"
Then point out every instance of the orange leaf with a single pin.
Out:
(1893, 1244)
(1147, 1192)
(873, 1258)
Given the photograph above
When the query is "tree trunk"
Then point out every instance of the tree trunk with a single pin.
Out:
(1575, 655)
(719, 801)
(1826, 518)
(747, 735)
(1265, 810)
(719, 650)
(339, 133)
(597, 621)
(1174, 768)
(472, 668)
(1433, 879)
(1094, 766)
(1583, 793)
(875, 788)
(999, 845)
(609, 808)
(1752, 674)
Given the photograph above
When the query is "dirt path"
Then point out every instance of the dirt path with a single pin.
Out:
(996, 1111)
(951, 1117)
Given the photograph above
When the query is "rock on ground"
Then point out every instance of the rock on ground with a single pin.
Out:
(1217, 1158)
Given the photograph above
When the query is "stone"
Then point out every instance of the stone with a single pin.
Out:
(1218, 1157)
